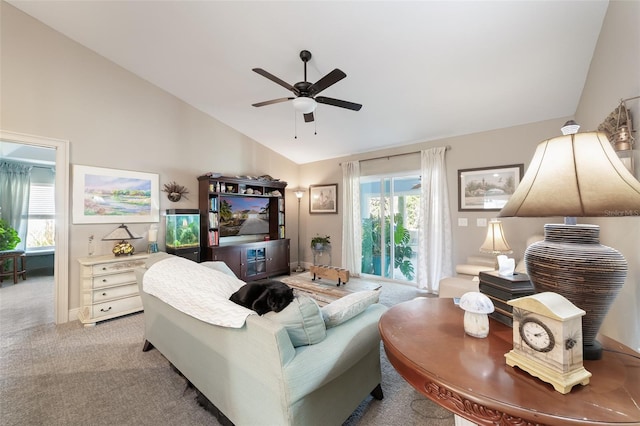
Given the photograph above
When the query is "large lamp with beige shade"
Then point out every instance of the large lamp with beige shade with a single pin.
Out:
(577, 175)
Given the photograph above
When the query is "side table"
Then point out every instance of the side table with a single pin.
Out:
(18, 261)
(425, 342)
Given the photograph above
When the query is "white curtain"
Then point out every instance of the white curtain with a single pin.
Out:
(351, 230)
(14, 197)
(434, 230)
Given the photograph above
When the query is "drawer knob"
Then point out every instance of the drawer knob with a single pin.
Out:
(104, 294)
(104, 268)
(104, 280)
(105, 310)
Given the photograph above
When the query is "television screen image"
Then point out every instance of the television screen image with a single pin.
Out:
(240, 215)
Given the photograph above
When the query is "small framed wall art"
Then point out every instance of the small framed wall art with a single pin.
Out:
(103, 195)
(487, 188)
(323, 199)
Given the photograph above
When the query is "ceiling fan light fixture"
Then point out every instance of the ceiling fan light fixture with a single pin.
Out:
(304, 105)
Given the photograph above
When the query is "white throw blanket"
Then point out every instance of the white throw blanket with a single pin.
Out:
(196, 290)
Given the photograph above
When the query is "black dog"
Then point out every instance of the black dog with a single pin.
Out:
(263, 297)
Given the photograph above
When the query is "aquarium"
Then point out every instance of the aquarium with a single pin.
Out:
(183, 228)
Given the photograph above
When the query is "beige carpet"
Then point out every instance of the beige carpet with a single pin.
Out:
(71, 375)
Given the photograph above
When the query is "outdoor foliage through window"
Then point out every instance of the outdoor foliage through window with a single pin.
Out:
(41, 221)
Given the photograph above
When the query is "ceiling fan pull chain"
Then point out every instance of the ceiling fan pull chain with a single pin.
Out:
(295, 125)
(315, 126)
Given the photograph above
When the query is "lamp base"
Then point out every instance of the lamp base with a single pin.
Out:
(593, 351)
(123, 248)
(572, 262)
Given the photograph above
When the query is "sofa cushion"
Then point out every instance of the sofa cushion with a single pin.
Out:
(347, 307)
(302, 320)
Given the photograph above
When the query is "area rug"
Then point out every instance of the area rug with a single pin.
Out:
(325, 291)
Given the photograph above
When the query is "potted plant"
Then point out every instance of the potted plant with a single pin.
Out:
(320, 242)
(372, 246)
(8, 236)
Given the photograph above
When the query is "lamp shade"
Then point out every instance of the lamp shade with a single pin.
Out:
(575, 175)
(495, 243)
(304, 104)
(299, 193)
(121, 233)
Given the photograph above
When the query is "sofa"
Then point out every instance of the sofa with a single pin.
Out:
(260, 373)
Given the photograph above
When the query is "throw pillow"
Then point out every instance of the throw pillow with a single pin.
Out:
(302, 320)
(347, 307)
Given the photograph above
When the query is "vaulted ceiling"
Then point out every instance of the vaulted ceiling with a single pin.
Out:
(422, 70)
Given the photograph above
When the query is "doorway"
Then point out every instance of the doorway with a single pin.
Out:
(61, 252)
(389, 211)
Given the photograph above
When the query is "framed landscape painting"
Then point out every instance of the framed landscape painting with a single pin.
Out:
(103, 195)
(487, 188)
(323, 199)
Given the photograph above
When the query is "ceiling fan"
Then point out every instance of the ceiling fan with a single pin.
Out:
(306, 99)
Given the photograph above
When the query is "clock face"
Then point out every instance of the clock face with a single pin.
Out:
(536, 335)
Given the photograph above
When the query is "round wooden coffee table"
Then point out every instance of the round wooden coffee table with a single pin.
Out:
(425, 342)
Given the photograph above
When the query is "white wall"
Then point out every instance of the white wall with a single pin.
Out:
(54, 87)
(614, 75)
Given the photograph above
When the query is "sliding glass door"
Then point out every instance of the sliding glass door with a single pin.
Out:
(389, 212)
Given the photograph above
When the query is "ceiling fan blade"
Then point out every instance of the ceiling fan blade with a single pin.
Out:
(338, 103)
(272, 101)
(332, 78)
(277, 80)
(308, 118)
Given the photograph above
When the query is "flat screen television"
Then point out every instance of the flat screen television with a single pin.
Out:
(243, 215)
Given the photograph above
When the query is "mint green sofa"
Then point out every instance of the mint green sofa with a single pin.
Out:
(255, 376)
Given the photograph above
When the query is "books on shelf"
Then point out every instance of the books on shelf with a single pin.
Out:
(213, 204)
(213, 220)
(214, 238)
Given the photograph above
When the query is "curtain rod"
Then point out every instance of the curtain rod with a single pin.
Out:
(448, 148)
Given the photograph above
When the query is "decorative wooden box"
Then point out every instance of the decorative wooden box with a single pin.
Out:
(501, 289)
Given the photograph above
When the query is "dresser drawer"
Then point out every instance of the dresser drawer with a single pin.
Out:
(115, 307)
(115, 293)
(114, 279)
(115, 267)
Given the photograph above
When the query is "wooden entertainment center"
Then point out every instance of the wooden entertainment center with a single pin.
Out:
(249, 260)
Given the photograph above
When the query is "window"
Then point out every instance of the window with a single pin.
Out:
(41, 220)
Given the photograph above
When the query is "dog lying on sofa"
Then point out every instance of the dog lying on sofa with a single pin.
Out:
(304, 365)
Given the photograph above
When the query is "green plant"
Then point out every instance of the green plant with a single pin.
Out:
(320, 240)
(372, 244)
(8, 236)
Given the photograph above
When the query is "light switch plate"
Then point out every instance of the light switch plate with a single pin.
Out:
(481, 222)
(462, 221)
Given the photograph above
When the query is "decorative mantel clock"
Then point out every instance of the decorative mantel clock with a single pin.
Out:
(547, 340)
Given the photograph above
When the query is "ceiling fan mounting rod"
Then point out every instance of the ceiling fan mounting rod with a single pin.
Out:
(305, 55)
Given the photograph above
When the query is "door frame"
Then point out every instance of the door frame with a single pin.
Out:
(61, 257)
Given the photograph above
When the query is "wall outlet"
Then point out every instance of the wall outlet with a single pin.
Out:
(481, 222)
(462, 221)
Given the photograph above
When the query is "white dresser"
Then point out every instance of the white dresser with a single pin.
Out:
(108, 287)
